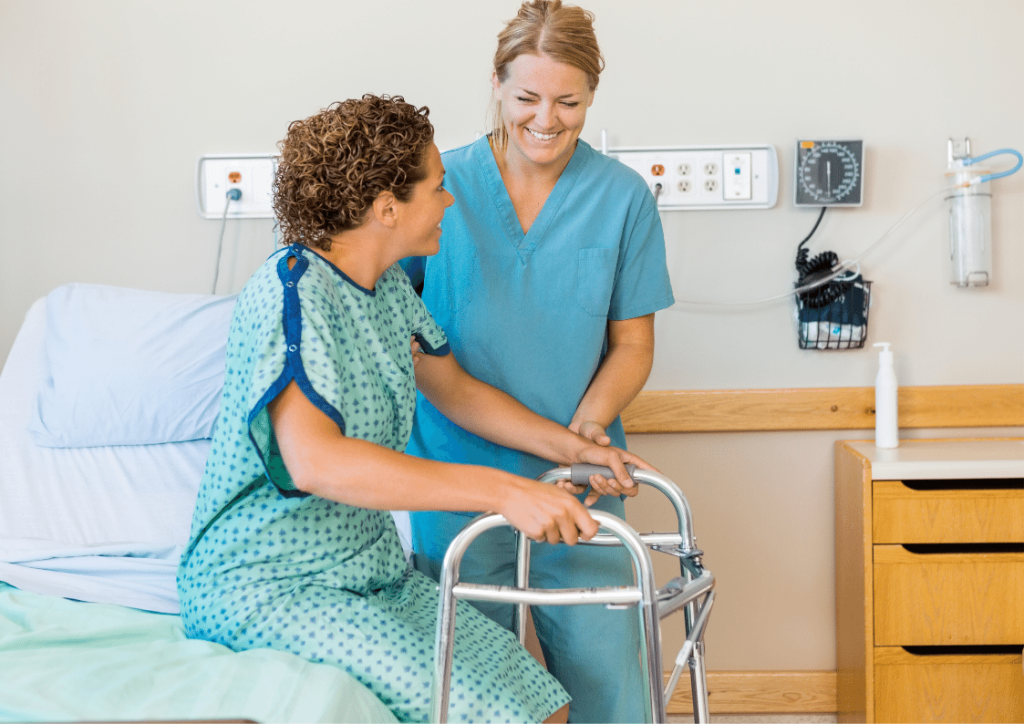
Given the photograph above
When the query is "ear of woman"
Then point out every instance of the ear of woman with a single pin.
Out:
(385, 209)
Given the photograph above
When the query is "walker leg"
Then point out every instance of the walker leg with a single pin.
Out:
(651, 663)
(522, 610)
(699, 684)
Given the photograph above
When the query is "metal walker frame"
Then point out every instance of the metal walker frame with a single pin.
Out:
(691, 592)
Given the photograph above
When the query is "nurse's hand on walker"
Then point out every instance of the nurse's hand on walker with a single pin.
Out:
(599, 485)
(609, 457)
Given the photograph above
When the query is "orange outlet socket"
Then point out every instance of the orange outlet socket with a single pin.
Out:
(657, 170)
(234, 177)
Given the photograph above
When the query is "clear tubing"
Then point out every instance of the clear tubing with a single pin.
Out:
(845, 267)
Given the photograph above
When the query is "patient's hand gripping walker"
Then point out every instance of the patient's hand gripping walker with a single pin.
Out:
(690, 592)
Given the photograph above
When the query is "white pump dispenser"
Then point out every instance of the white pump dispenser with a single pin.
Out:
(886, 427)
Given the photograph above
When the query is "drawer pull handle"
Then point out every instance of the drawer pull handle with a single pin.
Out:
(938, 548)
(979, 484)
(963, 650)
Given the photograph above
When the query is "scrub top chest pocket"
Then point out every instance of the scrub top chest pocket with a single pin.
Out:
(595, 279)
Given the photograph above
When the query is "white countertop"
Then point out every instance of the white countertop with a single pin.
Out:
(945, 459)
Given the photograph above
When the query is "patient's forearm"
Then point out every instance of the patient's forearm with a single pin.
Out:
(323, 462)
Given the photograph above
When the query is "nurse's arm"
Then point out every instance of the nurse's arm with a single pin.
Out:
(493, 415)
(619, 379)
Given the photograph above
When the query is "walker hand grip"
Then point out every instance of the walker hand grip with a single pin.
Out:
(580, 472)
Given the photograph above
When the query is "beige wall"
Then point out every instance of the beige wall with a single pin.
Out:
(106, 106)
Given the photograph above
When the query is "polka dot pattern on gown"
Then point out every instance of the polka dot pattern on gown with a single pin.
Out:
(270, 567)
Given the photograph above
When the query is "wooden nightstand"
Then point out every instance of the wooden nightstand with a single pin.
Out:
(930, 581)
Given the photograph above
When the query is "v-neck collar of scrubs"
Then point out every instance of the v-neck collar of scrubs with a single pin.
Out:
(526, 243)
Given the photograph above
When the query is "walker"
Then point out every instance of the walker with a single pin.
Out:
(690, 592)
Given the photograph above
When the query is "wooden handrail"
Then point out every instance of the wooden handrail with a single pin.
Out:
(836, 408)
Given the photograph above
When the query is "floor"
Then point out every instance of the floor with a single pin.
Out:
(759, 719)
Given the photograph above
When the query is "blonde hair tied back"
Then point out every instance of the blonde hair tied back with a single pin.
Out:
(564, 33)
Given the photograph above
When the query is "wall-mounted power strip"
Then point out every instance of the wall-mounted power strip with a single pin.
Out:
(252, 174)
(707, 177)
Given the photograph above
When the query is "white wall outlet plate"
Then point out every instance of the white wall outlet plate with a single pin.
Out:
(744, 176)
(251, 174)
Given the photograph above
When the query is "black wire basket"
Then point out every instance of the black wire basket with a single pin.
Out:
(837, 322)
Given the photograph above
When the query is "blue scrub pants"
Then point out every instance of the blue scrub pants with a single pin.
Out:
(593, 652)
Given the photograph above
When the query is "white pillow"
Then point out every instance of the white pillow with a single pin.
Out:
(130, 367)
(66, 514)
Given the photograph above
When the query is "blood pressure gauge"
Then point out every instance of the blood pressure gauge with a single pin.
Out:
(829, 173)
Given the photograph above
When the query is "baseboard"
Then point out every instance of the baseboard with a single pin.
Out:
(761, 692)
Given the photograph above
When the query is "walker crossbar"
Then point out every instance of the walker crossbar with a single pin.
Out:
(611, 596)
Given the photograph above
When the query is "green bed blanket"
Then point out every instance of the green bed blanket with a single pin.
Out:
(64, 660)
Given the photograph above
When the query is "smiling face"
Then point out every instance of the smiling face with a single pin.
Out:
(420, 216)
(543, 106)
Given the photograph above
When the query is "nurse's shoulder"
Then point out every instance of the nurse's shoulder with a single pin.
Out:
(614, 170)
(464, 166)
(615, 181)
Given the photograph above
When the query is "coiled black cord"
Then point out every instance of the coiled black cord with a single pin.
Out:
(819, 267)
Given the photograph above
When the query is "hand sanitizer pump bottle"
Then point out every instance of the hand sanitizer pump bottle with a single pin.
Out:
(886, 427)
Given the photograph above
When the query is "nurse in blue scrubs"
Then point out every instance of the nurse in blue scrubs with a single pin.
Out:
(551, 268)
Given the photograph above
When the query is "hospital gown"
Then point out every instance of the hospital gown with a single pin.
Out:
(268, 566)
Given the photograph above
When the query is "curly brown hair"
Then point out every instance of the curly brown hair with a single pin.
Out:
(335, 163)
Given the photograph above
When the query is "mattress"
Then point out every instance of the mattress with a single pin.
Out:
(63, 660)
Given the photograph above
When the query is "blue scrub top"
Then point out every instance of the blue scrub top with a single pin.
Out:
(528, 313)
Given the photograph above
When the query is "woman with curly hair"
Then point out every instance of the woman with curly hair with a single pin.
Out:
(571, 240)
(292, 544)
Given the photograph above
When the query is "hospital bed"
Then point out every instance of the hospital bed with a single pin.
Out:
(107, 401)
(90, 536)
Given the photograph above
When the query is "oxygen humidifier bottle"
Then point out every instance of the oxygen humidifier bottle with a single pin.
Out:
(886, 429)
(970, 220)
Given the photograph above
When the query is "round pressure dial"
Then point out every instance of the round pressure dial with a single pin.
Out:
(829, 173)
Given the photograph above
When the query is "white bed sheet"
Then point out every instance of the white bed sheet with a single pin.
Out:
(67, 513)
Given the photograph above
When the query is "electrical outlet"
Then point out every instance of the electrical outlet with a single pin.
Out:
(252, 174)
(707, 177)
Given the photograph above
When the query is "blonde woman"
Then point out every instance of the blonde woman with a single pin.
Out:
(551, 270)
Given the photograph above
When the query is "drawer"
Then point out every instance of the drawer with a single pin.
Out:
(947, 599)
(910, 687)
(941, 512)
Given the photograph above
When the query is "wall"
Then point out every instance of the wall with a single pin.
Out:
(107, 105)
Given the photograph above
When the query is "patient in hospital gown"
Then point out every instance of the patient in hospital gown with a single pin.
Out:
(292, 544)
